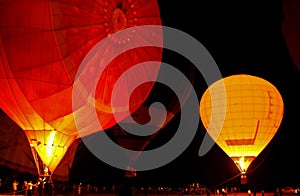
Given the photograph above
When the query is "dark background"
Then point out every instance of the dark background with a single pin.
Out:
(243, 37)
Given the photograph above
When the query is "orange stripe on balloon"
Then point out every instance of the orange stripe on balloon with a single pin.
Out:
(241, 142)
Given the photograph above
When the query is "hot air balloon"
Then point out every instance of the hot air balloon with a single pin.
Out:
(122, 132)
(13, 140)
(42, 45)
(254, 111)
(16, 152)
(291, 28)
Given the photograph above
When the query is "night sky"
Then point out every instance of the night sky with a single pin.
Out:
(244, 37)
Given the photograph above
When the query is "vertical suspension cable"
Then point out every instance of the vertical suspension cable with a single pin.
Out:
(36, 159)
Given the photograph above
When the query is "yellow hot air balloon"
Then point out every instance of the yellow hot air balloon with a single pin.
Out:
(254, 111)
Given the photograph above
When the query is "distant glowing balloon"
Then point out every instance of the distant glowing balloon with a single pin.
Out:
(122, 133)
(254, 111)
(291, 28)
(42, 44)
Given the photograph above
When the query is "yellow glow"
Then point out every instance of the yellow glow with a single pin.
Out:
(50, 145)
(241, 163)
(254, 110)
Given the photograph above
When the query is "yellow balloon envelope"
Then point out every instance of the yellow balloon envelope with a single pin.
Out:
(253, 114)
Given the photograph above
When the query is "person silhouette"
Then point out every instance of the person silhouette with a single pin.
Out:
(15, 186)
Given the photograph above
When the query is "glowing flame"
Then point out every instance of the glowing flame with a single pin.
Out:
(50, 146)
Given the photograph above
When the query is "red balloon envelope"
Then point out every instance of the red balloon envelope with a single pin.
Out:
(43, 44)
(291, 28)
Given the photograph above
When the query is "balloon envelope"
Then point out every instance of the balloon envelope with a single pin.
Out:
(16, 153)
(148, 117)
(254, 110)
(42, 44)
(291, 28)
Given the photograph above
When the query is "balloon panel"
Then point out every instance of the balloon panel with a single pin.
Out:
(50, 145)
(55, 38)
(42, 46)
(16, 152)
(254, 110)
(63, 169)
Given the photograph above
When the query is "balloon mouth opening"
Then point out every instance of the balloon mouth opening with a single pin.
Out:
(119, 20)
(243, 162)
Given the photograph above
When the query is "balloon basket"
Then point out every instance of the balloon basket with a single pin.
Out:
(130, 173)
(244, 179)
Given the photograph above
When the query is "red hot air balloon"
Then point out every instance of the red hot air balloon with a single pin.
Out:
(16, 153)
(43, 43)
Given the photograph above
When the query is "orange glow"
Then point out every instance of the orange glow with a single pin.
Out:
(41, 51)
(50, 145)
(254, 111)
